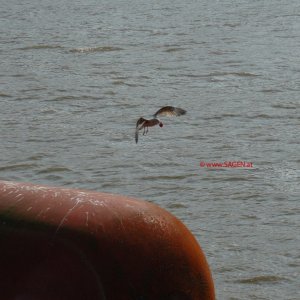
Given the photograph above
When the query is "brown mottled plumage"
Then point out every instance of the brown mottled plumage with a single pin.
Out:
(170, 111)
(143, 123)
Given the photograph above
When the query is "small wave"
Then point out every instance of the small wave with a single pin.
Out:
(157, 33)
(36, 157)
(284, 106)
(271, 140)
(212, 118)
(164, 177)
(237, 178)
(17, 167)
(222, 116)
(48, 111)
(175, 49)
(238, 74)
(66, 97)
(218, 74)
(232, 25)
(176, 205)
(54, 170)
(41, 47)
(261, 116)
(110, 93)
(226, 52)
(251, 217)
(261, 279)
(95, 49)
(230, 115)
(266, 116)
(121, 82)
(241, 74)
(271, 91)
(18, 75)
(5, 95)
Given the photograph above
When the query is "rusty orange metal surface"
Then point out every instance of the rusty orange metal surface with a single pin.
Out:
(58, 243)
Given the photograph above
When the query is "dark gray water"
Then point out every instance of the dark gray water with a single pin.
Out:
(76, 75)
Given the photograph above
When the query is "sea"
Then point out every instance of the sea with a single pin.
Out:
(75, 76)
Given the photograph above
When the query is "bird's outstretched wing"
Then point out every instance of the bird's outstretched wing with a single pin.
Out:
(139, 125)
(170, 111)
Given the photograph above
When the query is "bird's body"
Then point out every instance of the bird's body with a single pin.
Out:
(143, 123)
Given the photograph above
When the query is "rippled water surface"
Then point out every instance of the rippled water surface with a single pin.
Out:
(76, 75)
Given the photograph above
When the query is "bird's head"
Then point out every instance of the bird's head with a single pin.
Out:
(161, 124)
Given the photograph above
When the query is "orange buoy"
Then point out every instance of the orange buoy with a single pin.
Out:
(58, 243)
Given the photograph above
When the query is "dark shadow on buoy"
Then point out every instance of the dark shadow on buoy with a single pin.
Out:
(65, 244)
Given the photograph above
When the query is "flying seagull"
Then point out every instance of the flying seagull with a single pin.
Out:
(143, 123)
